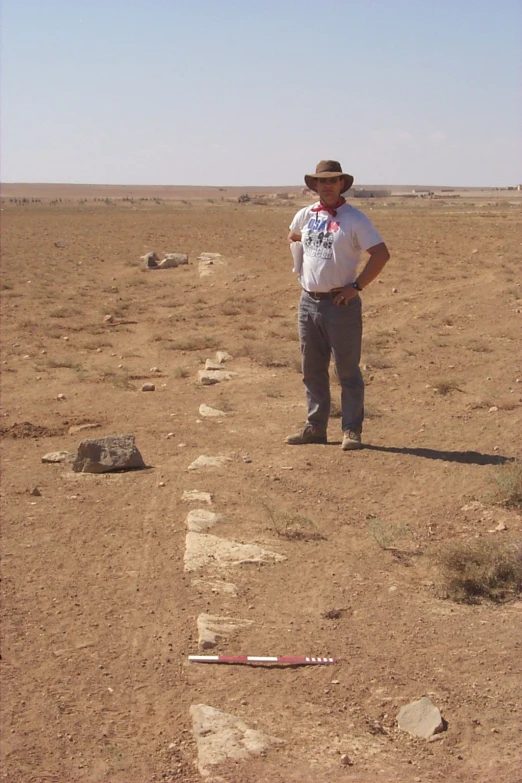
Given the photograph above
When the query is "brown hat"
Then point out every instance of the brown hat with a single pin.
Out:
(328, 168)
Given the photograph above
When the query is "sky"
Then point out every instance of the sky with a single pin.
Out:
(256, 92)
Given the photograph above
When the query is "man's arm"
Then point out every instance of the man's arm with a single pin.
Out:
(293, 237)
(379, 255)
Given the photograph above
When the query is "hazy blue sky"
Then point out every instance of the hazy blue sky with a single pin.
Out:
(255, 92)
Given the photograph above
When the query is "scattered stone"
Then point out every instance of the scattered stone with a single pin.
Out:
(210, 413)
(208, 377)
(420, 718)
(102, 455)
(221, 736)
(493, 409)
(500, 528)
(161, 484)
(195, 496)
(346, 760)
(148, 387)
(203, 549)
(150, 260)
(208, 462)
(154, 369)
(222, 357)
(60, 397)
(211, 629)
(395, 290)
(173, 260)
(170, 435)
(109, 319)
(36, 493)
(60, 243)
(474, 252)
(59, 456)
(247, 459)
(74, 428)
(200, 519)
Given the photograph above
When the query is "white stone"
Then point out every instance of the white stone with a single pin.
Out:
(208, 462)
(210, 413)
(212, 628)
(420, 718)
(59, 456)
(216, 586)
(211, 365)
(195, 496)
(222, 356)
(203, 549)
(221, 736)
(208, 377)
(200, 519)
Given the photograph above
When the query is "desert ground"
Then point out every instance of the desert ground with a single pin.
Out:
(99, 615)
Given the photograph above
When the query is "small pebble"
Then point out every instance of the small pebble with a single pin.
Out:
(161, 484)
(60, 396)
(35, 492)
(346, 760)
(148, 387)
(170, 434)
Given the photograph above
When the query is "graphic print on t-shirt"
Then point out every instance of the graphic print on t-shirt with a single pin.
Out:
(319, 237)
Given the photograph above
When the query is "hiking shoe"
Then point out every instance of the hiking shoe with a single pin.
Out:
(351, 440)
(310, 434)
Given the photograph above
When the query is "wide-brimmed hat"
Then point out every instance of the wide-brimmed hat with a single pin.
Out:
(328, 168)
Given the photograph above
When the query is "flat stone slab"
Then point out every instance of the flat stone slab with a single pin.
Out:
(420, 718)
(210, 413)
(216, 586)
(173, 260)
(74, 428)
(209, 377)
(212, 365)
(205, 461)
(59, 456)
(102, 455)
(195, 496)
(211, 629)
(203, 550)
(200, 519)
(221, 736)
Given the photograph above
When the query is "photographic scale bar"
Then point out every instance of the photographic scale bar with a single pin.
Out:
(282, 659)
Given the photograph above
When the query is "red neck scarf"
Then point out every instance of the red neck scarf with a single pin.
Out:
(331, 210)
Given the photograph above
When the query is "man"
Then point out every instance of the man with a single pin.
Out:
(331, 235)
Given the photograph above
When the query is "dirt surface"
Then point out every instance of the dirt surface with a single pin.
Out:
(99, 616)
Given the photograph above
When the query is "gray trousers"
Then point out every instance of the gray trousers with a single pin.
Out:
(326, 329)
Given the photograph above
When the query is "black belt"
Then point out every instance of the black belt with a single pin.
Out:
(323, 294)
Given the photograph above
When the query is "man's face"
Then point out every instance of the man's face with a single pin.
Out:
(329, 189)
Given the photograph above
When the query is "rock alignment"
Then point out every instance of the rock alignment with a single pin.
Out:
(200, 519)
(211, 629)
(203, 550)
(102, 455)
(221, 736)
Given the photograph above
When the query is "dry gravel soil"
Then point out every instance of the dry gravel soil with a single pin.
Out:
(98, 614)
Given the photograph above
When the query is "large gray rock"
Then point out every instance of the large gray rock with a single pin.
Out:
(150, 261)
(102, 455)
(221, 736)
(420, 718)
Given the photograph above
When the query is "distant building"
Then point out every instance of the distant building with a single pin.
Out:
(373, 193)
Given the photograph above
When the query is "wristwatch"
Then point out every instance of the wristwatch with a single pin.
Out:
(356, 286)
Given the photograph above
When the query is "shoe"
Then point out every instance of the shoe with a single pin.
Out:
(310, 434)
(351, 440)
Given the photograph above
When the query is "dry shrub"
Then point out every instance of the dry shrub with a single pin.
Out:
(508, 478)
(446, 387)
(482, 568)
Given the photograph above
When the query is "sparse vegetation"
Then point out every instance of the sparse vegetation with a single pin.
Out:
(293, 527)
(481, 568)
(508, 480)
(446, 387)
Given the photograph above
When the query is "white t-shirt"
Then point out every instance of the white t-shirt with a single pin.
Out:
(332, 245)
